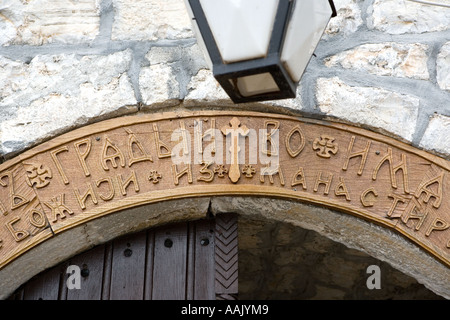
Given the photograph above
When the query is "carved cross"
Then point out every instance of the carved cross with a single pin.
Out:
(326, 145)
(235, 130)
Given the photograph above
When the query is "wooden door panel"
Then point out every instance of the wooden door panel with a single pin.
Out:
(193, 261)
(169, 269)
(91, 264)
(149, 262)
(204, 261)
(44, 287)
(128, 267)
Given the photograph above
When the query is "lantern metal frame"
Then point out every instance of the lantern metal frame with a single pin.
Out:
(226, 73)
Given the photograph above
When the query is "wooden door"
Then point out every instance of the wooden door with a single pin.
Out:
(192, 261)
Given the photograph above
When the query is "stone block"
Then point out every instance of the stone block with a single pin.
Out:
(437, 135)
(159, 86)
(385, 59)
(37, 22)
(163, 82)
(151, 20)
(204, 89)
(348, 18)
(54, 93)
(403, 16)
(443, 67)
(378, 108)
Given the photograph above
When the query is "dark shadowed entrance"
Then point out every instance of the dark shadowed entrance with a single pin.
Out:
(191, 260)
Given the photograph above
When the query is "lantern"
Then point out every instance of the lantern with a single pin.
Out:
(259, 49)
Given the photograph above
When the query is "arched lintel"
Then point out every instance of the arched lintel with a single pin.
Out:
(107, 190)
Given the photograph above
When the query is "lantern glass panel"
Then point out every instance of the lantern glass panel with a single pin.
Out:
(256, 84)
(242, 28)
(308, 22)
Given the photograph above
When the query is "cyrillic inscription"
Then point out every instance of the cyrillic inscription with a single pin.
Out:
(103, 168)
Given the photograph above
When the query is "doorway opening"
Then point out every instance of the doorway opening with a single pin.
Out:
(223, 257)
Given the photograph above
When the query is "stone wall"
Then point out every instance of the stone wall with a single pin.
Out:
(382, 65)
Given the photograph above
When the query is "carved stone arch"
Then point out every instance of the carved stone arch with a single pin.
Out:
(91, 185)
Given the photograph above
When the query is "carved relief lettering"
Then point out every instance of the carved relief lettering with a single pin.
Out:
(110, 154)
(270, 172)
(184, 137)
(415, 211)
(123, 185)
(18, 235)
(208, 135)
(160, 145)
(424, 188)
(178, 174)
(109, 182)
(269, 147)
(393, 170)
(299, 179)
(199, 136)
(397, 199)
(82, 155)
(341, 189)
(54, 155)
(437, 225)
(363, 154)
(3, 210)
(17, 200)
(58, 208)
(292, 150)
(367, 201)
(37, 218)
(208, 174)
(320, 180)
(89, 193)
(136, 151)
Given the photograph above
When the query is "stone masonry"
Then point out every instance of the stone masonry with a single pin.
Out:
(382, 65)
